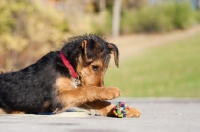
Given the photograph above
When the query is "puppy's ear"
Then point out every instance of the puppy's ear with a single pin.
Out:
(113, 48)
(90, 48)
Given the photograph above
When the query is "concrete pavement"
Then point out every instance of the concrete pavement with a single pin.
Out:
(158, 115)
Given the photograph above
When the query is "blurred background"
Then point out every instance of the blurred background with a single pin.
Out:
(158, 40)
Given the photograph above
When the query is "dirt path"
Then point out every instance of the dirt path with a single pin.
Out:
(135, 44)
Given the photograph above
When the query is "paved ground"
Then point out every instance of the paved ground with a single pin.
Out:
(158, 115)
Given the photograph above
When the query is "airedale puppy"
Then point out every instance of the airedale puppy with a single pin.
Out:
(71, 77)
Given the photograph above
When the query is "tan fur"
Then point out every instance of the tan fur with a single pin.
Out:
(134, 112)
(45, 107)
(92, 95)
(2, 111)
(81, 95)
(88, 76)
(64, 83)
(105, 108)
(17, 112)
(13, 112)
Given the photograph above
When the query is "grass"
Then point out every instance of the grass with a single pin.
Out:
(171, 70)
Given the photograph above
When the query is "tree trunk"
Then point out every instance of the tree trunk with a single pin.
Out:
(199, 4)
(102, 5)
(116, 18)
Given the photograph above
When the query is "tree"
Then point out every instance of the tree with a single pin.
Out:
(116, 18)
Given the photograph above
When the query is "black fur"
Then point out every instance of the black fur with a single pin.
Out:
(27, 90)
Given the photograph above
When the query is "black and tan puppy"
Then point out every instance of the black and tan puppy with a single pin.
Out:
(62, 79)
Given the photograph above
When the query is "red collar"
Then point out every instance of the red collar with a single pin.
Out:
(68, 65)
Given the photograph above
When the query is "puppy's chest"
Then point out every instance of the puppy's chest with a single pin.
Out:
(75, 82)
(66, 83)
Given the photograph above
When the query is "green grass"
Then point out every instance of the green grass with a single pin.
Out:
(171, 70)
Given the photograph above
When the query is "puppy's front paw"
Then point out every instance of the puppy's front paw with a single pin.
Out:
(133, 112)
(109, 93)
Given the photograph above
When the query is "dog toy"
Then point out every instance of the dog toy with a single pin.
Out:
(121, 110)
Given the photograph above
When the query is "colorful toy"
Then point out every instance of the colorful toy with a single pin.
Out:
(121, 110)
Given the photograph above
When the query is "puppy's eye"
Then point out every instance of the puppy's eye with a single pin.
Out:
(95, 68)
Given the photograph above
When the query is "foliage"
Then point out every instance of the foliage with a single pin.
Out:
(103, 25)
(24, 24)
(27, 26)
(171, 70)
(197, 16)
(159, 18)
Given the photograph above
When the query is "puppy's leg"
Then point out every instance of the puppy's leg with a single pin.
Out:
(133, 112)
(81, 95)
(2, 111)
(17, 112)
(105, 108)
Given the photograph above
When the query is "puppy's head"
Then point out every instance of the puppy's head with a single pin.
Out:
(94, 59)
